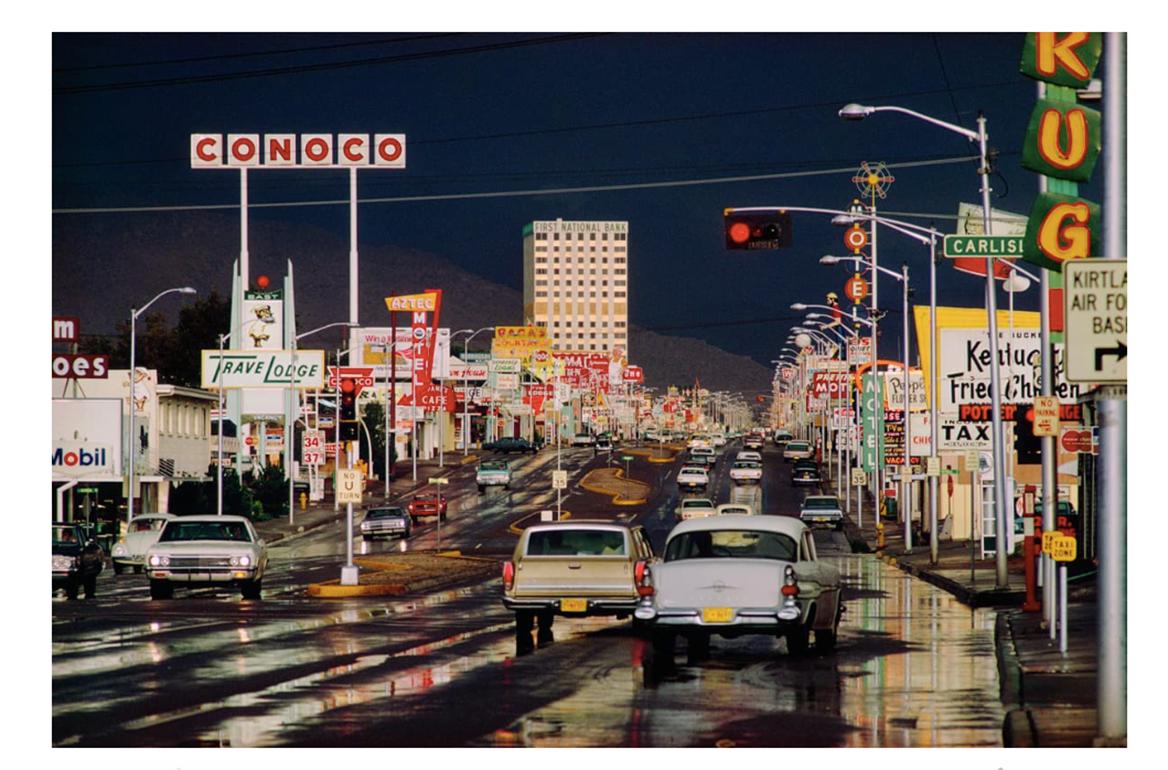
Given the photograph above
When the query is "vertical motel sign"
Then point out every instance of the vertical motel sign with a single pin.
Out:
(1063, 142)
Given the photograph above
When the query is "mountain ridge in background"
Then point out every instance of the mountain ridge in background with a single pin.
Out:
(105, 265)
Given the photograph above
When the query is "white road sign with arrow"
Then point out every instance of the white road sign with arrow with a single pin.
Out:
(1095, 292)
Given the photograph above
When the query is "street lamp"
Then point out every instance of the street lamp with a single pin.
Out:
(294, 404)
(133, 371)
(859, 112)
(466, 384)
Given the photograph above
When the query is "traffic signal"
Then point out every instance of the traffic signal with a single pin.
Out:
(757, 229)
(348, 411)
(1028, 446)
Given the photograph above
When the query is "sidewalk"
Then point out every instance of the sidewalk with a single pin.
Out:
(1050, 697)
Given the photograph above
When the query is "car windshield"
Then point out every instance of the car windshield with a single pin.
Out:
(384, 513)
(695, 504)
(178, 531)
(576, 542)
(146, 525)
(821, 503)
(64, 535)
(731, 543)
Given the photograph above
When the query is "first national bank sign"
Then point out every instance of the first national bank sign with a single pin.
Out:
(298, 150)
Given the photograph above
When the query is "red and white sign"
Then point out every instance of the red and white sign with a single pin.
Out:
(81, 367)
(856, 289)
(430, 398)
(312, 447)
(832, 385)
(303, 151)
(362, 377)
(535, 395)
(633, 374)
(1077, 440)
(66, 328)
(856, 238)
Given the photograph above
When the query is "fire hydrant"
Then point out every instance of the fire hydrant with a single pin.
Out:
(879, 535)
(303, 501)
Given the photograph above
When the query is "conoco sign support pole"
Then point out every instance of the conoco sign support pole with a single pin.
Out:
(1111, 706)
(353, 245)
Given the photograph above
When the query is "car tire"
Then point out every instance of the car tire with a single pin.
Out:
(161, 589)
(825, 640)
(251, 589)
(663, 643)
(699, 647)
(90, 584)
(71, 589)
(119, 568)
(366, 538)
(798, 640)
(524, 621)
(481, 489)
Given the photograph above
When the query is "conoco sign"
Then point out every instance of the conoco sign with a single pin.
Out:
(298, 150)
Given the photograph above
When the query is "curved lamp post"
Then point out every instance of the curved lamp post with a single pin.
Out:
(133, 371)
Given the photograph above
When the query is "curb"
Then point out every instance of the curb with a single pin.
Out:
(617, 499)
(304, 529)
(332, 589)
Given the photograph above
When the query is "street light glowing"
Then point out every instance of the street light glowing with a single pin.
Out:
(798, 306)
(828, 260)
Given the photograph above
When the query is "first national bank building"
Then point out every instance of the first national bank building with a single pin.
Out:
(576, 283)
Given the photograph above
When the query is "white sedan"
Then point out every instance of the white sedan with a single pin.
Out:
(745, 471)
(693, 477)
(142, 532)
(695, 507)
(736, 575)
(207, 550)
(750, 455)
(727, 509)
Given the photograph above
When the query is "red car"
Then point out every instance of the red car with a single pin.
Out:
(430, 504)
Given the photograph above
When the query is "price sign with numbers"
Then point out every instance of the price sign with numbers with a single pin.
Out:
(312, 447)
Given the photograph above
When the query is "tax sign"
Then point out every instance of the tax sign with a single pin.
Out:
(1095, 293)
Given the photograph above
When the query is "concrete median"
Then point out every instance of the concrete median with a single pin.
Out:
(612, 482)
(405, 573)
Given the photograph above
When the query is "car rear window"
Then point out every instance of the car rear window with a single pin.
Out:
(177, 531)
(821, 502)
(576, 542)
(797, 445)
(493, 466)
(731, 543)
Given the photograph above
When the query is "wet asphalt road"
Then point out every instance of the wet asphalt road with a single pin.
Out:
(913, 667)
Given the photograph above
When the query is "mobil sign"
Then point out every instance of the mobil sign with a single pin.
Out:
(87, 438)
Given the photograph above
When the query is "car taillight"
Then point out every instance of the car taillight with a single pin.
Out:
(643, 577)
(508, 575)
(790, 587)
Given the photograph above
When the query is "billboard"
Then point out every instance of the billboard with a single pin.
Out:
(369, 348)
(520, 342)
(262, 369)
(87, 438)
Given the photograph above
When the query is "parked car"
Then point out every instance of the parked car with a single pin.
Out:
(749, 455)
(820, 510)
(207, 551)
(694, 507)
(805, 472)
(693, 477)
(575, 568)
(509, 444)
(392, 521)
(797, 450)
(428, 504)
(142, 532)
(703, 456)
(740, 509)
(583, 439)
(494, 473)
(77, 561)
(736, 575)
(745, 472)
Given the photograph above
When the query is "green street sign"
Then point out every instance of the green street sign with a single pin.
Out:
(87, 490)
(963, 246)
(627, 458)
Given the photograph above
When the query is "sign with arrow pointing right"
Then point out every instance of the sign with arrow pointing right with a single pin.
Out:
(1095, 294)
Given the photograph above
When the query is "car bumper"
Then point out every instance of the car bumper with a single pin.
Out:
(615, 605)
(214, 576)
(385, 532)
(807, 482)
(745, 479)
(758, 620)
(822, 521)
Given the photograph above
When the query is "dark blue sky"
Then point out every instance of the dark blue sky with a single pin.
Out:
(594, 111)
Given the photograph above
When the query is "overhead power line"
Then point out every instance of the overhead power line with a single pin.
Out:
(514, 193)
(323, 67)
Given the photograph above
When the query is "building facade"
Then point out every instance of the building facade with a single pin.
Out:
(576, 284)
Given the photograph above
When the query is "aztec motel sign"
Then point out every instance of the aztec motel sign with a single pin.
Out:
(298, 150)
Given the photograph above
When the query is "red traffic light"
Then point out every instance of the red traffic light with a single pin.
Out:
(739, 232)
(757, 229)
(347, 386)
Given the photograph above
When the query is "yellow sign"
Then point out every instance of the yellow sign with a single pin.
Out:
(521, 342)
(1046, 416)
(717, 614)
(1063, 548)
(1048, 539)
(413, 303)
(349, 485)
(573, 605)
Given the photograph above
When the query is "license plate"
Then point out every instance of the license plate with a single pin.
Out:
(717, 614)
(573, 605)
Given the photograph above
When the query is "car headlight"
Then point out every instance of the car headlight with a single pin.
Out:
(239, 561)
(157, 560)
(62, 562)
(245, 561)
(119, 549)
(364, 525)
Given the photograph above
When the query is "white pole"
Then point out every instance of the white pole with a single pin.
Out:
(906, 485)
(289, 432)
(353, 271)
(219, 458)
(934, 446)
(133, 439)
